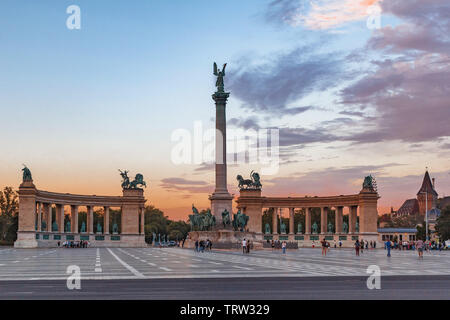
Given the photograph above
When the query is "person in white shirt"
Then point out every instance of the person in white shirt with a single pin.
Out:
(244, 246)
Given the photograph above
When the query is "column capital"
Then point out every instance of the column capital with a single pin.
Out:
(220, 97)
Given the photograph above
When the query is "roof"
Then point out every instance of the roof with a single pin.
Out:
(444, 202)
(427, 186)
(397, 230)
(409, 207)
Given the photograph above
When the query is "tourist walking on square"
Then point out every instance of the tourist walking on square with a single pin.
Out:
(324, 247)
(335, 243)
(273, 244)
(340, 244)
(419, 246)
(283, 246)
(388, 248)
(357, 246)
(244, 246)
(361, 244)
(248, 246)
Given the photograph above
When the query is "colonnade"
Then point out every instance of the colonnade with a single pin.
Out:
(352, 219)
(44, 213)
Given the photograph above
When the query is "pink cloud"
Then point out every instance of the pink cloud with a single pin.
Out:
(326, 14)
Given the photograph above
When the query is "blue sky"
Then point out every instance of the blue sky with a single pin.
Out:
(78, 104)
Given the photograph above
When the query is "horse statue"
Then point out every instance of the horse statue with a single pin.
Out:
(139, 179)
(240, 221)
(195, 218)
(253, 183)
(243, 182)
(370, 183)
(226, 218)
(125, 179)
(209, 220)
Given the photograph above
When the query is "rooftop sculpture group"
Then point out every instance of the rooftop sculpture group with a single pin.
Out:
(26, 174)
(126, 184)
(370, 183)
(253, 183)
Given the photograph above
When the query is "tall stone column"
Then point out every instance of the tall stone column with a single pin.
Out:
(90, 219)
(291, 221)
(352, 214)
(49, 217)
(106, 220)
(74, 218)
(142, 221)
(339, 219)
(61, 219)
(275, 221)
(221, 199)
(323, 220)
(307, 221)
(39, 210)
(59, 214)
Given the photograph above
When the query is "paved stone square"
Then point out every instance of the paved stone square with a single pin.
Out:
(154, 263)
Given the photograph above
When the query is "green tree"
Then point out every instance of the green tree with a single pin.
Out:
(9, 207)
(178, 230)
(421, 231)
(155, 222)
(443, 224)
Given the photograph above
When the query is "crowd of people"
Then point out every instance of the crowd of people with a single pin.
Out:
(418, 245)
(74, 244)
(202, 246)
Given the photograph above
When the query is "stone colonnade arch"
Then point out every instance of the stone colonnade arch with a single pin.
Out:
(251, 202)
(35, 206)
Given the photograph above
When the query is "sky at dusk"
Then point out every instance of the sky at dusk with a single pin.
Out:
(348, 100)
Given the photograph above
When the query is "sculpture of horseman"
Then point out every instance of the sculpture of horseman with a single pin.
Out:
(240, 221)
(253, 183)
(226, 218)
(126, 184)
(194, 219)
(138, 180)
(370, 183)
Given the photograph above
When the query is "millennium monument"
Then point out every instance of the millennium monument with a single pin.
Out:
(43, 220)
(221, 199)
(226, 229)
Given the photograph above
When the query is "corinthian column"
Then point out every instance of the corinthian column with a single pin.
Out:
(221, 199)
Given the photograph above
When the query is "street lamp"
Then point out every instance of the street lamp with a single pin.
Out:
(426, 213)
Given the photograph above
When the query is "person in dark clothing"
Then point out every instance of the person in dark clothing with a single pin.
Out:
(357, 246)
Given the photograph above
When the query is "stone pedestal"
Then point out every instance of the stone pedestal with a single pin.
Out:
(252, 209)
(225, 239)
(220, 202)
(26, 234)
(130, 211)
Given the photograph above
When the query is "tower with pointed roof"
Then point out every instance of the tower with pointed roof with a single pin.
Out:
(427, 191)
